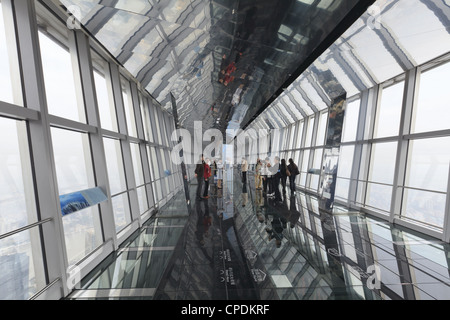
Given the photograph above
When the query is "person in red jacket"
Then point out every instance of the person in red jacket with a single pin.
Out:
(206, 176)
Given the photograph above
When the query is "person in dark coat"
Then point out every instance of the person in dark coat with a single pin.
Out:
(293, 169)
(199, 174)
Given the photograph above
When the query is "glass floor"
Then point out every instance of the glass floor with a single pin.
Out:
(240, 245)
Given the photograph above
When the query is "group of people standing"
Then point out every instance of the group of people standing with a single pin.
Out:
(268, 177)
(204, 170)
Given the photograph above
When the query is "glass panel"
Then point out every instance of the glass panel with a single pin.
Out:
(322, 129)
(342, 188)
(316, 165)
(142, 199)
(346, 161)
(114, 162)
(433, 100)
(309, 133)
(82, 233)
(17, 202)
(82, 229)
(21, 264)
(157, 186)
(291, 137)
(428, 164)
(137, 164)
(351, 121)
(305, 162)
(428, 207)
(128, 106)
(106, 106)
(121, 209)
(62, 98)
(154, 164)
(299, 135)
(72, 160)
(382, 164)
(389, 111)
(379, 196)
(157, 132)
(145, 117)
(10, 87)
(304, 170)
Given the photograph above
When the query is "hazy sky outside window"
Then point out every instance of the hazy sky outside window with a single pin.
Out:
(73, 161)
(59, 78)
(6, 85)
(128, 106)
(432, 112)
(389, 111)
(17, 204)
(351, 121)
(107, 110)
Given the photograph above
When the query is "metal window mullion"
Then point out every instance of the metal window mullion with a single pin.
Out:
(46, 190)
(16, 112)
(96, 139)
(402, 147)
(63, 123)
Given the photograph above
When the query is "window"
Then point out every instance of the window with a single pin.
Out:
(389, 111)
(143, 104)
(431, 110)
(351, 121)
(117, 183)
(309, 132)
(304, 168)
(157, 128)
(21, 258)
(291, 137)
(314, 185)
(427, 180)
(344, 171)
(22, 265)
(60, 87)
(106, 106)
(381, 175)
(299, 135)
(139, 177)
(74, 171)
(10, 83)
(128, 106)
(73, 161)
(17, 203)
(322, 130)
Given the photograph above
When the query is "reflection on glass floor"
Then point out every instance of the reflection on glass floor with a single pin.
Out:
(135, 270)
(240, 245)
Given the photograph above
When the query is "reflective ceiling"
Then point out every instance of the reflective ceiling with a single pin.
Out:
(393, 36)
(222, 60)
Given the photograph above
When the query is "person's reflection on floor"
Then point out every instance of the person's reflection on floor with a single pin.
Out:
(244, 195)
(204, 221)
(259, 199)
(294, 215)
(275, 228)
